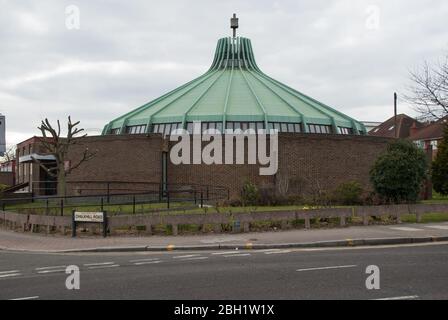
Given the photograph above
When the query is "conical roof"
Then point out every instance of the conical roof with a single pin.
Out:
(235, 90)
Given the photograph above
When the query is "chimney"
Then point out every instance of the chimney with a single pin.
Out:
(413, 129)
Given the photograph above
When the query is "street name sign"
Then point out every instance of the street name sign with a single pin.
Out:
(89, 217)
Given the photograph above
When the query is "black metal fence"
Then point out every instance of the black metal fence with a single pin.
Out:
(120, 199)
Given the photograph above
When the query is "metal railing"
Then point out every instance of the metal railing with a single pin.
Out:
(164, 198)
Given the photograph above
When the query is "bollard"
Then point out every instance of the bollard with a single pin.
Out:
(419, 217)
(342, 221)
(175, 229)
(398, 218)
(365, 219)
(148, 229)
(307, 223)
(133, 204)
(236, 227)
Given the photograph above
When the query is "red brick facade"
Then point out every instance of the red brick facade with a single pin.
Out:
(308, 161)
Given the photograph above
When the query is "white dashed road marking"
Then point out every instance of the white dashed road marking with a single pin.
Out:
(51, 271)
(406, 229)
(144, 260)
(278, 252)
(194, 258)
(226, 252)
(98, 264)
(50, 268)
(327, 268)
(104, 266)
(237, 255)
(10, 275)
(400, 298)
(11, 271)
(147, 262)
(186, 256)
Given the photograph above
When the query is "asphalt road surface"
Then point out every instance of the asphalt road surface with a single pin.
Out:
(406, 272)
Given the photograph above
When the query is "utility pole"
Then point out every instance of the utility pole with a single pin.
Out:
(395, 114)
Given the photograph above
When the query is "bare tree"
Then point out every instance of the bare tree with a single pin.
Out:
(9, 155)
(429, 90)
(53, 144)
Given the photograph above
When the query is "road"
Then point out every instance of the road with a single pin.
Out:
(412, 271)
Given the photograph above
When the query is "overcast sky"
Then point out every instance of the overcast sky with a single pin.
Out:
(351, 55)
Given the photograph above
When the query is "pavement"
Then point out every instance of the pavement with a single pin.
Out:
(349, 236)
(416, 271)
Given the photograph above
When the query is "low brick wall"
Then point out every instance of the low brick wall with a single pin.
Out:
(28, 222)
(33, 223)
(14, 220)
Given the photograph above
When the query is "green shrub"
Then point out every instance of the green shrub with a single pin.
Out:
(348, 193)
(440, 166)
(232, 203)
(399, 172)
(250, 194)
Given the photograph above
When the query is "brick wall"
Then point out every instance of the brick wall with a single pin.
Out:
(309, 161)
(326, 161)
(118, 158)
(7, 178)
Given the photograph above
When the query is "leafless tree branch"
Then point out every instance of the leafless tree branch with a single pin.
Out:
(429, 90)
(47, 169)
(52, 143)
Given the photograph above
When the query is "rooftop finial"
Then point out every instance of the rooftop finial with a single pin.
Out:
(234, 24)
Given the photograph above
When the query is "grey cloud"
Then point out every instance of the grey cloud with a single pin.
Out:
(127, 53)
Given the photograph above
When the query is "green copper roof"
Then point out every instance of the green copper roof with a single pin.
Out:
(234, 89)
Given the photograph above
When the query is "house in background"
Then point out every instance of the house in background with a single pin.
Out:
(370, 125)
(429, 136)
(426, 135)
(402, 129)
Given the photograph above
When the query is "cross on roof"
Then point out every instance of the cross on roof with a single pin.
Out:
(234, 24)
